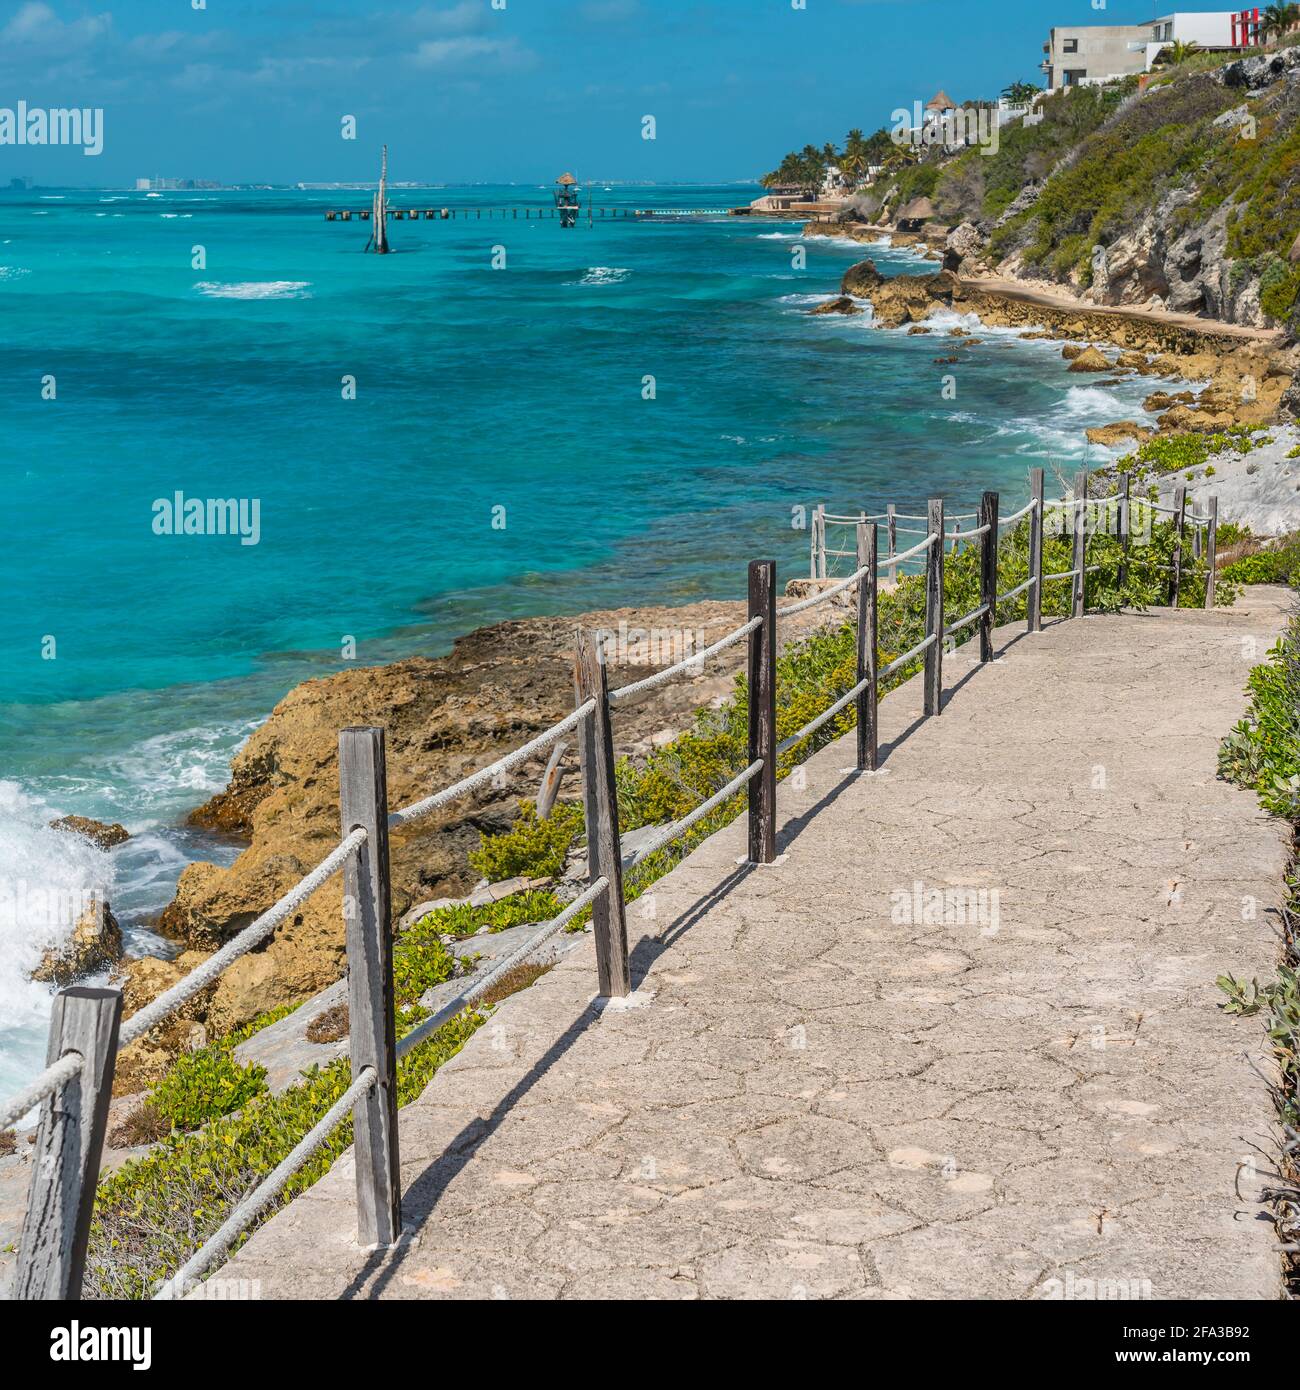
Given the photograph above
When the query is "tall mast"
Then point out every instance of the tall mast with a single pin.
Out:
(380, 215)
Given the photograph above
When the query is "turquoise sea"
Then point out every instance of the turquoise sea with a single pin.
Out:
(135, 663)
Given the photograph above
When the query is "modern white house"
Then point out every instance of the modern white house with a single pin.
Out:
(1075, 55)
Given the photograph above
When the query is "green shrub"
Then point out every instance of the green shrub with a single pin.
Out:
(463, 920)
(155, 1211)
(532, 847)
(206, 1084)
(1279, 564)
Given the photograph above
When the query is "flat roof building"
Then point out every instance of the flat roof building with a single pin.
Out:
(1089, 53)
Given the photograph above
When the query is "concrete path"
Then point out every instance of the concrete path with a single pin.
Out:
(823, 1093)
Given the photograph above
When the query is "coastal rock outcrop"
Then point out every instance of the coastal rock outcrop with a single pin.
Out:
(444, 718)
(861, 280)
(1119, 433)
(101, 834)
(95, 944)
(841, 305)
(1089, 360)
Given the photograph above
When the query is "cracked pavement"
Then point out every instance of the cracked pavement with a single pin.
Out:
(821, 1093)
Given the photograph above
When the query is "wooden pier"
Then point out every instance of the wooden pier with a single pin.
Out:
(511, 214)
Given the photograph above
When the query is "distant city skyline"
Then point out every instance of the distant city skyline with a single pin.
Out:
(495, 91)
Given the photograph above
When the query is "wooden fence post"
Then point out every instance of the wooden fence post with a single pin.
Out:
(1124, 527)
(1080, 562)
(1034, 608)
(600, 811)
(1180, 521)
(812, 545)
(934, 608)
(1211, 546)
(762, 711)
(69, 1142)
(821, 540)
(867, 633)
(988, 516)
(891, 522)
(367, 914)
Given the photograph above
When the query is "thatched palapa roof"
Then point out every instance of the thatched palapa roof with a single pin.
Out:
(941, 101)
(566, 180)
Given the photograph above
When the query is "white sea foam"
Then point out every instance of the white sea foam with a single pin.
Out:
(46, 876)
(779, 236)
(255, 289)
(603, 275)
(13, 272)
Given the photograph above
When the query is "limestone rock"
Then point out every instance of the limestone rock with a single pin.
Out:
(1090, 360)
(842, 305)
(1118, 433)
(859, 280)
(102, 834)
(95, 944)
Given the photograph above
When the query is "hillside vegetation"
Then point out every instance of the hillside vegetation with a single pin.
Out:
(1185, 195)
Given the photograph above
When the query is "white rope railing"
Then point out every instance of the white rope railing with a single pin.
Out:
(972, 616)
(1015, 516)
(252, 1206)
(824, 717)
(968, 535)
(791, 609)
(484, 775)
(202, 976)
(697, 659)
(680, 827)
(900, 661)
(907, 554)
(1064, 574)
(429, 1026)
(54, 1078)
(1019, 589)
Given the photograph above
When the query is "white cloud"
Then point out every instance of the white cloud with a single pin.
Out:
(37, 25)
(478, 52)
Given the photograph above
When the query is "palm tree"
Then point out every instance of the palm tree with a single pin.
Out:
(1020, 93)
(1278, 20)
(1174, 53)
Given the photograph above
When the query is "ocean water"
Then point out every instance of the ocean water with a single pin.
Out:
(501, 457)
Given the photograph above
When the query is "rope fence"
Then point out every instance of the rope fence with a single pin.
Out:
(86, 1029)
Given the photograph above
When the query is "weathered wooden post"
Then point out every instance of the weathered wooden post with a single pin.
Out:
(891, 522)
(600, 809)
(1180, 521)
(762, 711)
(1211, 547)
(934, 608)
(1125, 526)
(1080, 552)
(1034, 606)
(363, 803)
(867, 632)
(956, 538)
(69, 1142)
(988, 516)
(821, 540)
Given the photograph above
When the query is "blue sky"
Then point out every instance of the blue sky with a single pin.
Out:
(462, 90)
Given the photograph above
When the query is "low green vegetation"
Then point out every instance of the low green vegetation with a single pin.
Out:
(157, 1210)
(534, 847)
(1192, 449)
(1263, 753)
(203, 1085)
(1277, 564)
